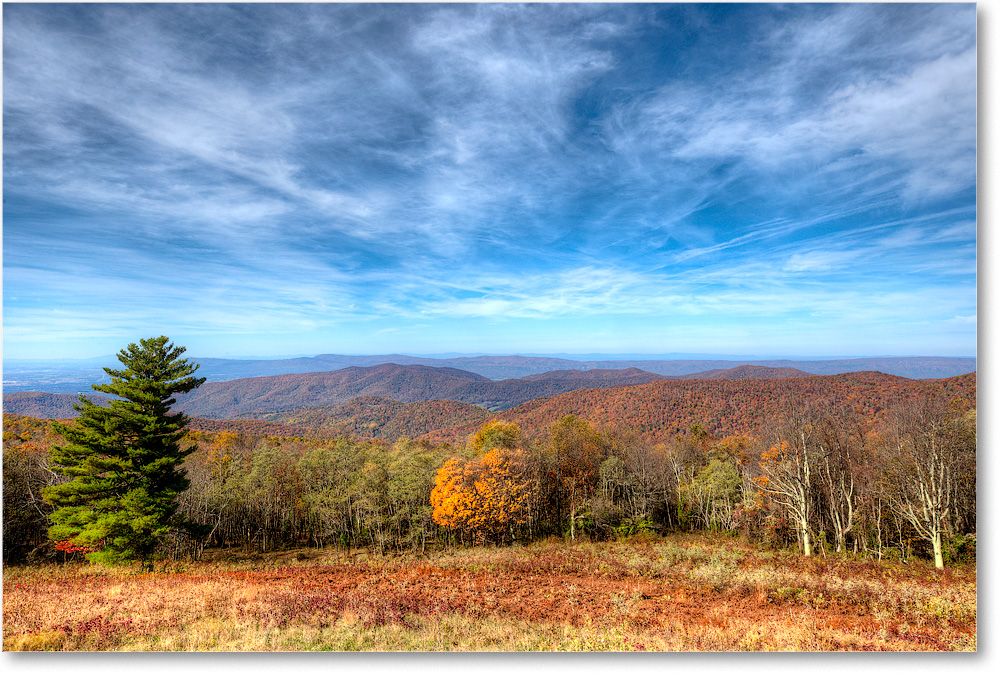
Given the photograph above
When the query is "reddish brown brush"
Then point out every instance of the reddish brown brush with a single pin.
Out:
(686, 593)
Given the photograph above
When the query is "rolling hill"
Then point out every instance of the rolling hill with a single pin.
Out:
(251, 397)
(656, 410)
(504, 394)
(260, 396)
(514, 366)
(44, 405)
(376, 417)
(246, 427)
(258, 428)
(324, 391)
(745, 372)
(75, 376)
(659, 410)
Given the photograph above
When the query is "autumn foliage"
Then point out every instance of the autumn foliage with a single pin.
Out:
(488, 496)
(658, 411)
(67, 546)
(830, 462)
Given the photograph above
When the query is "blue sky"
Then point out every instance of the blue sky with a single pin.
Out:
(296, 179)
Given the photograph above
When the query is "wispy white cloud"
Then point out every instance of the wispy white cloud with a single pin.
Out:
(288, 167)
(911, 121)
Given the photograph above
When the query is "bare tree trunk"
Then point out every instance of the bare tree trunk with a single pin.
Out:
(787, 478)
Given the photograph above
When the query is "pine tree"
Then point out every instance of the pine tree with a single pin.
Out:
(124, 459)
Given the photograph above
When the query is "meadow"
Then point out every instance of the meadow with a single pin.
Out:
(688, 592)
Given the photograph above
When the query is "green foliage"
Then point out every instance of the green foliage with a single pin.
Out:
(720, 479)
(124, 459)
(330, 487)
(632, 527)
(715, 491)
(579, 451)
(960, 548)
(495, 434)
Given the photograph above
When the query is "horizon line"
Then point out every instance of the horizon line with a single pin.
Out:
(616, 356)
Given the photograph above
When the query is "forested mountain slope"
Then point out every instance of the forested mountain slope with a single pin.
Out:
(659, 410)
(253, 396)
(406, 384)
(506, 394)
(745, 372)
(327, 390)
(377, 417)
(44, 405)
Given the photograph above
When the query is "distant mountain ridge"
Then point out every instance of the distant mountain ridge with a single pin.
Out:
(746, 372)
(514, 366)
(597, 375)
(324, 399)
(63, 377)
(252, 396)
(263, 397)
(404, 383)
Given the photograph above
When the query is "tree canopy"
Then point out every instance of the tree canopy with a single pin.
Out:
(124, 459)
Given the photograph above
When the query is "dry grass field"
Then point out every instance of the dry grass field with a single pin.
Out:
(693, 592)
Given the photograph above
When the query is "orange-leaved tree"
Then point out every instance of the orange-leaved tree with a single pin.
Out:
(488, 496)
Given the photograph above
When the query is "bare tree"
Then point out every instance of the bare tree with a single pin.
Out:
(787, 476)
(929, 447)
(841, 449)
